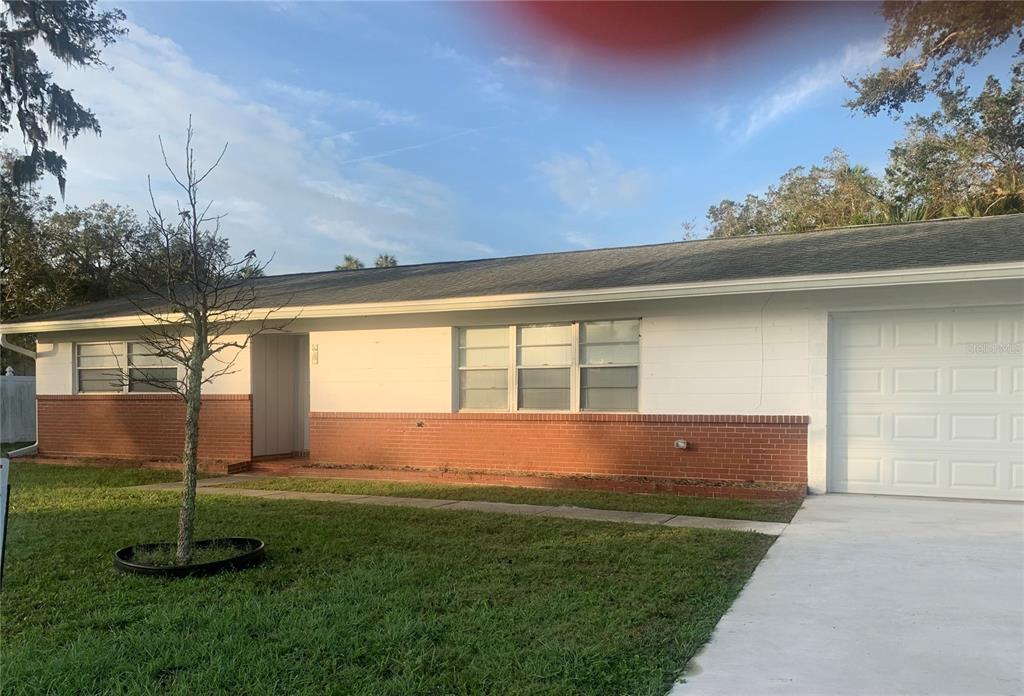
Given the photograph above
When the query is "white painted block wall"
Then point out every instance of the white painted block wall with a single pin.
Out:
(385, 369)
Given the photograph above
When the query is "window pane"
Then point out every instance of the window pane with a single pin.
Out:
(545, 355)
(596, 377)
(489, 337)
(544, 389)
(490, 399)
(99, 381)
(486, 389)
(618, 331)
(609, 400)
(484, 379)
(99, 354)
(609, 388)
(545, 334)
(158, 379)
(610, 354)
(483, 357)
(141, 355)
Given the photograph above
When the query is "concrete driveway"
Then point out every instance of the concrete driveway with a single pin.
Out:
(878, 595)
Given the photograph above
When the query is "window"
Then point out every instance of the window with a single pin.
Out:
(584, 366)
(101, 368)
(609, 365)
(148, 372)
(483, 368)
(544, 363)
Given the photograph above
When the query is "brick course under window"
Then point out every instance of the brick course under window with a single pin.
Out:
(740, 452)
(142, 426)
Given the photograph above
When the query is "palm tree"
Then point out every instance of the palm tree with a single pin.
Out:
(350, 263)
(385, 261)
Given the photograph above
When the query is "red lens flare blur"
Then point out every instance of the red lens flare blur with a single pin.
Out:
(643, 32)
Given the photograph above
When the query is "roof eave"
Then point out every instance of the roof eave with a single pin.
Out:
(899, 277)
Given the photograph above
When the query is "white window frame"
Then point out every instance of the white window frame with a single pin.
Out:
(572, 366)
(122, 367)
(582, 366)
(575, 369)
(459, 369)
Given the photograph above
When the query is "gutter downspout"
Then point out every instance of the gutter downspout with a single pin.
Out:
(34, 447)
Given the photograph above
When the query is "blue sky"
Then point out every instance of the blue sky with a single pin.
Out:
(425, 131)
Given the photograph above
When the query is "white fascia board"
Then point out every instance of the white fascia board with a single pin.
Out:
(944, 274)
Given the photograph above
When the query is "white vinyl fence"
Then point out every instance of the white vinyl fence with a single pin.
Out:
(17, 408)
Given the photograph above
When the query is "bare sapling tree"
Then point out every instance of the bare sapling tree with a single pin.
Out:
(199, 307)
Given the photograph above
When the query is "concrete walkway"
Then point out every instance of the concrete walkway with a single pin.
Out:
(877, 595)
(215, 486)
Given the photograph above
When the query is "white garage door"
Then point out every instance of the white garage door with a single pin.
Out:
(928, 403)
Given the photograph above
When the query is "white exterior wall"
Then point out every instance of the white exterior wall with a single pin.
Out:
(768, 354)
(55, 363)
(388, 369)
(742, 354)
(54, 366)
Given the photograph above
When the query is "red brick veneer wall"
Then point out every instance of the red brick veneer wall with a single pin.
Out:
(735, 449)
(142, 426)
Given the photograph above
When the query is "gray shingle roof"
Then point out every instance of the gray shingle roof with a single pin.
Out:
(846, 250)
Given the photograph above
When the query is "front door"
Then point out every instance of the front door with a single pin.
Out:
(279, 394)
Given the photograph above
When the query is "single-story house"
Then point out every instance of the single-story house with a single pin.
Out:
(873, 359)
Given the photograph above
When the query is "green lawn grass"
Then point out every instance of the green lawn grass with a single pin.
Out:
(352, 599)
(768, 511)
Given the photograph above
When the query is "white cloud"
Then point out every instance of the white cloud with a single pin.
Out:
(719, 117)
(326, 100)
(580, 239)
(550, 74)
(296, 93)
(516, 61)
(594, 181)
(442, 52)
(282, 190)
(802, 87)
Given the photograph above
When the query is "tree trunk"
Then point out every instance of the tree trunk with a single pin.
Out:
(190, 455)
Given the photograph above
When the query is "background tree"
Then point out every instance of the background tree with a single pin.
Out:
(967, 158)
(51, 260)
(936, 42)
(199, 308)
(75, 34)
(350, 263)
(385, 261)
(827, 195)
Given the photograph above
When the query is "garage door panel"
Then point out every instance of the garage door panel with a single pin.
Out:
(975, 380)
(914, 380)
(974, 428)
(917, 425)
(975, 473)
(1017, 477)
(928, 403)
(957, 475)
(916, 334)
(915, 472)
(976, 330)
(862, 470)
(862, 335)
